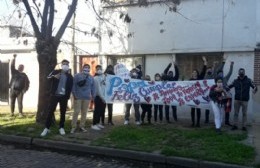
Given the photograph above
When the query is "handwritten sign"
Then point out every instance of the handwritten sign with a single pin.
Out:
(122, 71)
(192, 93)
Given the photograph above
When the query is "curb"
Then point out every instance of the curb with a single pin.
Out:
(123, 154)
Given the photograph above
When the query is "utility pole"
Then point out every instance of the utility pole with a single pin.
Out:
(73, 54)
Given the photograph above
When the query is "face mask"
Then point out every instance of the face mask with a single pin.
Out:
(209, 73)
(99, 71)
(65, 68)
(86, 71)
(157, 78)
(220, 85)
(241, 74)
(134, 74)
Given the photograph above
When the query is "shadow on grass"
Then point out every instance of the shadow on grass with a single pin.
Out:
(202, 144)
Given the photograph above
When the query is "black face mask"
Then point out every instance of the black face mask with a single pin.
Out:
(241, 75)
(209, 73)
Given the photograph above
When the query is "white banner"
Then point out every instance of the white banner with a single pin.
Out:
(179, 93)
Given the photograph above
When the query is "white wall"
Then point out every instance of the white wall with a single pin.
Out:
(199, 25)
(31, 68)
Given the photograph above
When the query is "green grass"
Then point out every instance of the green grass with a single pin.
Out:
(202, 143)
(26, 126)
(169, 140)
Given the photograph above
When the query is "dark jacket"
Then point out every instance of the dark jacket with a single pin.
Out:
(201, 75)
(166, 77)
(55, 83)
(217, 97)
(19, 80)
(242, 88)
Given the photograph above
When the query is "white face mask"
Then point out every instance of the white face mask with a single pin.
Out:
(134, 74)
(86, 71)
(65, 68)
(99, 71)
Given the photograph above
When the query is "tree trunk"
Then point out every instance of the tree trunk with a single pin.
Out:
(47, 59)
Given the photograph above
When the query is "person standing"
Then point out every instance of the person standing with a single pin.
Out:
(228, 102)
(133, 75)
(168, 76)
(110, 70)
(61, 86)
(19, 84)
(146, 107)
(242, 85)
(198, 76)
(217, 96)
(83, 91)
(99, 101)
(157, 77)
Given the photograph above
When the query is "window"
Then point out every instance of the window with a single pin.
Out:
(188, 62)
(129, 61)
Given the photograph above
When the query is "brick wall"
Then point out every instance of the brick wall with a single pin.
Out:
(257, 67)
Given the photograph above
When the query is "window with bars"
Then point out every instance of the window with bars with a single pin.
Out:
(257, 67)
(188, 62)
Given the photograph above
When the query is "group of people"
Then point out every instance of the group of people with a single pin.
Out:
(220, 96)
(85, 88)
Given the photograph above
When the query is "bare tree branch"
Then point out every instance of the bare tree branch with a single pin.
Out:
(44, 18)
(34, 24)
(51, 19)
(37, 8)
(66, 20)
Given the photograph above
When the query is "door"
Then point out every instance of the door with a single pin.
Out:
(4, 84)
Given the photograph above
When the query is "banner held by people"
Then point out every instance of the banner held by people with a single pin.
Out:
(191, 93)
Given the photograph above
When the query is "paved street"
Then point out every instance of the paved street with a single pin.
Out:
(12, 157)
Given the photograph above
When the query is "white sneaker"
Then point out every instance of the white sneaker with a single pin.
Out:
(126, 122)
(83, 129)
(62, 131)
(95, 127)
(100, 126)
(72, 131)
(45, 132)
(137, 123)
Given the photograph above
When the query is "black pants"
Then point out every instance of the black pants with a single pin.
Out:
(110, 112)
(174, 112)
(156, 107)
(99, 111)
(193, 116)
(227, 114)
(15, 94)
(146, 108)
(207, 116)
(54, 100)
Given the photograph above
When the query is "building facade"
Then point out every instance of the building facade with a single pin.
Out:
(154, 33)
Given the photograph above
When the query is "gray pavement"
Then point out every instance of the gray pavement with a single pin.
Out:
(12, 157)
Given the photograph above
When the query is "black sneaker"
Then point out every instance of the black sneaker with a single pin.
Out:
(218, 131)
(244, 129)
(110, 123)
(228, 124)
(234, 128)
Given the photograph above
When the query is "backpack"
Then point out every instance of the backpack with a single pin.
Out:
(19, 82)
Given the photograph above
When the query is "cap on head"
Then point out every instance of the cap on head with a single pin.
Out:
(65, 61)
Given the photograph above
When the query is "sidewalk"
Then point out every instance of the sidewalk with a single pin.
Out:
(79, 143)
